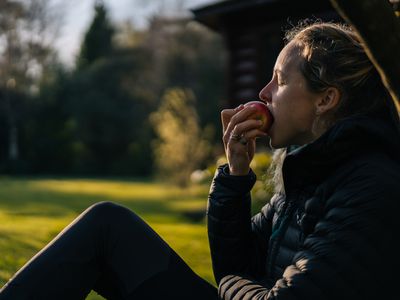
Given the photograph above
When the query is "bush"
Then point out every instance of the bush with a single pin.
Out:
(181, 146)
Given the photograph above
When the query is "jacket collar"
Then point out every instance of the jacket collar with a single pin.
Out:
(346, 140)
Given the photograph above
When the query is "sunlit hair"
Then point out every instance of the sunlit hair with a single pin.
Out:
(333, 56)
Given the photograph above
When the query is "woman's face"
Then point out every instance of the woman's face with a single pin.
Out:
(292, 104)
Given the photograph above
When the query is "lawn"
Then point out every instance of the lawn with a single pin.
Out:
(34, 210)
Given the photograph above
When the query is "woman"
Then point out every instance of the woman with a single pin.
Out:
(329, 231)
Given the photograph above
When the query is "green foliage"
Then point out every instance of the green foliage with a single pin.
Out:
(195, 58)
(94, 119)
(181, 146)
(186, 54)
(46, 131)
(98, 41)
(110, 120)
(108, 111)
(263, 188)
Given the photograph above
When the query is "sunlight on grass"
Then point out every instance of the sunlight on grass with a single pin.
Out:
(22, 236)
(189, 205)
(116, 190)
(33, 211)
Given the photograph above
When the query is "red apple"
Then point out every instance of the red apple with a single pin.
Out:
(262, 114)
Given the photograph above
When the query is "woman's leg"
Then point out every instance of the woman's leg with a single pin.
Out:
(111, 250)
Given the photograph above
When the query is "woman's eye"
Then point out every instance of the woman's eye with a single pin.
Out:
(280, 80)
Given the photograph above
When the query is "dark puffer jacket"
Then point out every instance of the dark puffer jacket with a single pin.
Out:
(334, 235)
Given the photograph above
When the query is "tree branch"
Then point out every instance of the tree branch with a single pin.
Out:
(379, 29)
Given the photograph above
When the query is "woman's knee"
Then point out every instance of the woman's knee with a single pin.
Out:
(107, 210)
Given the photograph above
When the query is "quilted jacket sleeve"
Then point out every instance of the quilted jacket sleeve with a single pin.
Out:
(350, 254)
(238, 242)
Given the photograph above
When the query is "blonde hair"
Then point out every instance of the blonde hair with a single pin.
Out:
(334, 56)
(274, 174)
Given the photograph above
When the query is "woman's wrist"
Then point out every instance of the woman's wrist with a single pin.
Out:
(238, 172)
(237, 184)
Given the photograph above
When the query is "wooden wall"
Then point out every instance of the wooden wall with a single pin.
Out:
(253, 31)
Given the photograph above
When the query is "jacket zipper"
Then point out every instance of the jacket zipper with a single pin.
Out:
(276, 237)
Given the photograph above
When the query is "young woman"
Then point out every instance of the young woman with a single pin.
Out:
(328, 233)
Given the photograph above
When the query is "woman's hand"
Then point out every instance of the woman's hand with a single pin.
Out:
(239, 136)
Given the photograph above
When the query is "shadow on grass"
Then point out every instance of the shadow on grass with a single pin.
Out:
(65, 197)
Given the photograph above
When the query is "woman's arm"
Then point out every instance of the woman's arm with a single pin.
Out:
(238, 242)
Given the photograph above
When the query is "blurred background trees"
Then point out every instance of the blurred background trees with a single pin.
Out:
(94, 118)
(181, 145)
(27, 30)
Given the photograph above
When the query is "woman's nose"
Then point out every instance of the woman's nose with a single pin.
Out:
(265, 95)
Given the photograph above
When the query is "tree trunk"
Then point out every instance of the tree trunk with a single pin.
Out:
(12, 128)
(379, 28)
(13, 144)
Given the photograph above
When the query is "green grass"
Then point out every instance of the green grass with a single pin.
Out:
(33, 211)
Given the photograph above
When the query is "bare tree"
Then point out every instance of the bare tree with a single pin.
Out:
(27, 32)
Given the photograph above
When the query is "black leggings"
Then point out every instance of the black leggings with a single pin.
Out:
(112, 251)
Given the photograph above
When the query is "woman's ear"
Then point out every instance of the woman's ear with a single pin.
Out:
(329, 101)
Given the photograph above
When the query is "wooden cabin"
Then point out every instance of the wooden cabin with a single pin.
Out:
(253, 31)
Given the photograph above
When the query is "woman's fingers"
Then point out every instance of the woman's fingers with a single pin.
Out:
(253, 134)
(227, 114)
(248, 129)
(239, 134)
(240, 117)
(245, 137)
